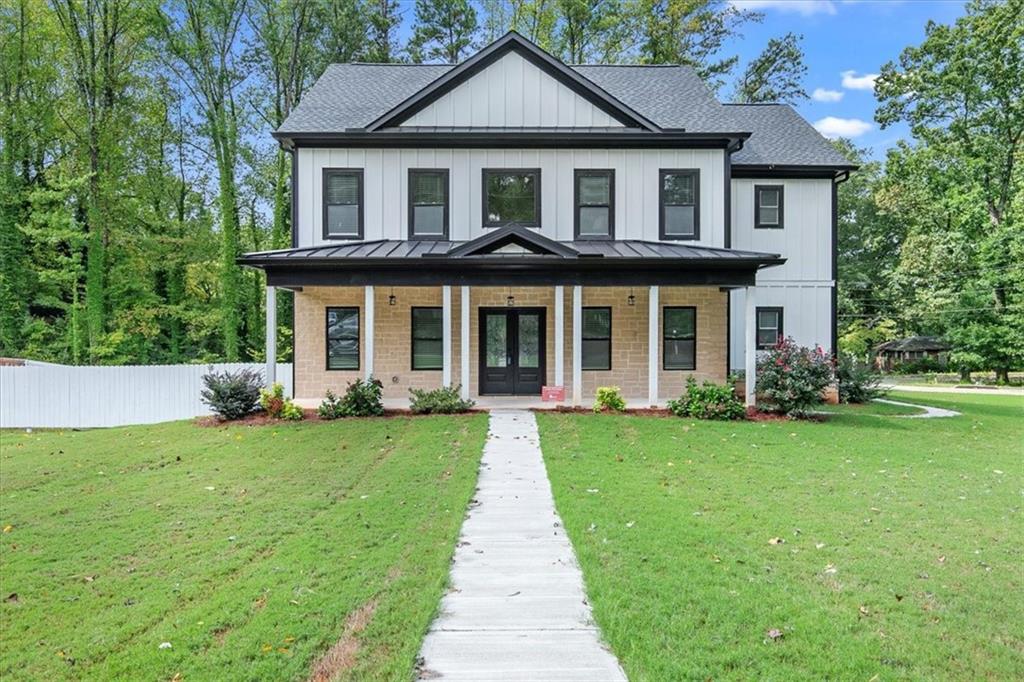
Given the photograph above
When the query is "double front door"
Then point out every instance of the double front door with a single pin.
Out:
(511, 351)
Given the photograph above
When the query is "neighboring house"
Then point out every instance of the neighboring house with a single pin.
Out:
(513, 222)
(910, 350)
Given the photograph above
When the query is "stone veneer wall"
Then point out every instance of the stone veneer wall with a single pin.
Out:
(393, 339)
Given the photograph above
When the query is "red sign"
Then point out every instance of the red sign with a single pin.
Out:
(552, 394)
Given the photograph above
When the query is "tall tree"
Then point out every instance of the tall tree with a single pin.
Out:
(962, 93)
(340, 34)
(691, 32)
(443, 30)
(775, 75)
(202, 37)
(534, 19)
(383, 18)
(590, 31)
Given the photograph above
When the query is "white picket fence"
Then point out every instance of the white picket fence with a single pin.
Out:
(62, 396)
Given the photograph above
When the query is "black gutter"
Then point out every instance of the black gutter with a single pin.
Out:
(829, 172)
(482, 140)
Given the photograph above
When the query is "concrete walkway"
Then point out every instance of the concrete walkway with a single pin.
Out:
(929, 411)
(516, 610)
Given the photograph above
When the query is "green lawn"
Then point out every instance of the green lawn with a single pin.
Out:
(251, 550)
(903, 552)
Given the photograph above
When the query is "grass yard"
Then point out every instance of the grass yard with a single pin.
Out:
(879, 548)
(253, 551)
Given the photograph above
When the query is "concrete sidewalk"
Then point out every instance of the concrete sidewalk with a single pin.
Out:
(516, 610)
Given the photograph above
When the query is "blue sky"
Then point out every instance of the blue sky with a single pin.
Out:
(852, 37)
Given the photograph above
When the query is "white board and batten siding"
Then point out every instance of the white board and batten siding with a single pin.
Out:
(802, 287)
(512, 93)
(386, 178)
(64, 396)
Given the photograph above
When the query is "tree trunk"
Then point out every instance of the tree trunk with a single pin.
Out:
(1003, 376)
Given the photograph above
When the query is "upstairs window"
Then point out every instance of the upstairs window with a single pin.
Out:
(595, 204)
(427, 338)
(343, 203)
(428, 204)
(511, 196)
(769, 327)
(343, 338)
(768, 207)
(597, 339)
(680, 204)
(679, 338)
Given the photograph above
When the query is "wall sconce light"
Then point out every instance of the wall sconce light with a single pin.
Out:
(631, 299)
(391, 297)
(510, 300)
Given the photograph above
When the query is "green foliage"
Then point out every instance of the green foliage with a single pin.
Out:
(708, 401)
(609, 399)
(330, 407)
(363, 399)
(791, 378)
(291, 411)
(438, 401)
(232, 395)
(775, 75)
(858, 382)
(917, 366)
(443, 30)
(276, 405)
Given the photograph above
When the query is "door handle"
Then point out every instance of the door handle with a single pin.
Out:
(508, 360)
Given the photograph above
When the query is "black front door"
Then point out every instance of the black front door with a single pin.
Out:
(511, 351)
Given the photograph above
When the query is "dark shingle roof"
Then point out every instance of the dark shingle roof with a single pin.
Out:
(351, 96)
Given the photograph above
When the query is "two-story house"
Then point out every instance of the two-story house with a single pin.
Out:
(513, 222)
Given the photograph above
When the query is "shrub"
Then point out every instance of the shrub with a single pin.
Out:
(363, 399)
(331, 407)
(708, 401)
(609, 399)
(791, 378)
(438, 401)
(919, 366)
(858, 383)
(275, 404)
(232, 395)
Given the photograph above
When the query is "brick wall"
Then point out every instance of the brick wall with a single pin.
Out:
(392, 341)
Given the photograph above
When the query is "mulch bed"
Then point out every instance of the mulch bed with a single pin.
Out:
(308, 415)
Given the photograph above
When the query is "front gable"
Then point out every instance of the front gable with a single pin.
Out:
(512, 84)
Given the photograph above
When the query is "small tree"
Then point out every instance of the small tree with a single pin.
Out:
(792, 378)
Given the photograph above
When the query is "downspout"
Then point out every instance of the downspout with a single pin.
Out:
(839, 178)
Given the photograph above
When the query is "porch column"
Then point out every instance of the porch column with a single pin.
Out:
(446, 336)
(577, 345)
(271, 339)
(653, 346)
(464, 343)
(750, 338)
(368, 333)
(560, 336)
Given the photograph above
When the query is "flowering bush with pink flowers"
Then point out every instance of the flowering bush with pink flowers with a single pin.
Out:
(791, 378)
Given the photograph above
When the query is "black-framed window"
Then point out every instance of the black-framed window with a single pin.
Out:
(343, 338)
(343, 203)
(595, 204)
(427, 338)
(428, 203)
(769, 327)
(679, 198)
(768, 203)
(511, 195)
(597, 338)
(679, 337)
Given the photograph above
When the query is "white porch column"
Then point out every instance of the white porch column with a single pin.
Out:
(464, 343)
(653, 346)
(750, 339)
(446, 336)
(560, 336)
(577, 345)
(368, 333)
(271, 339)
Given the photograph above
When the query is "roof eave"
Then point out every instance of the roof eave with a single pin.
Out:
(554, 138)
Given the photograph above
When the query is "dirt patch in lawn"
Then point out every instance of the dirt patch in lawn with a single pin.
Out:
(341, 657)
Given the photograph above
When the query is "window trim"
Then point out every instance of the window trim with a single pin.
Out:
(664, 338)
(327, 172)
(781, 334)
(593, 173)
(758, 225)
(327, 338)
(593, 338)
(695, 173)
(447, 204)
(413, 339)
(485, 172)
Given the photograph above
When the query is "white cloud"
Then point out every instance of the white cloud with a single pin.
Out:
(833, 127)
(823, 95)
(803, 7)
(851, 81)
